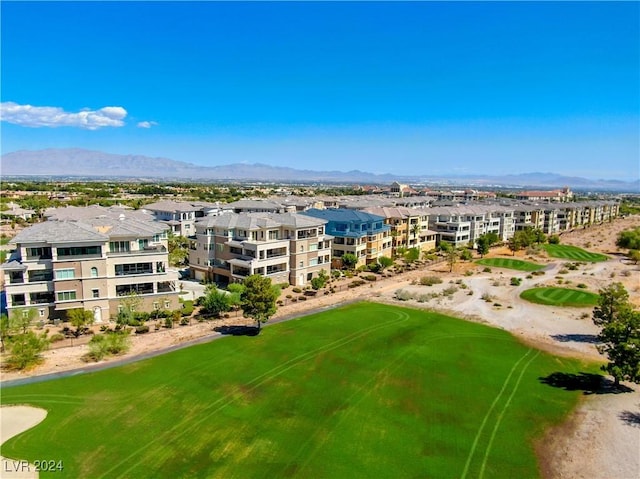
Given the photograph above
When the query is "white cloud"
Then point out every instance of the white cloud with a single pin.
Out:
(51, 116)
(147, 124)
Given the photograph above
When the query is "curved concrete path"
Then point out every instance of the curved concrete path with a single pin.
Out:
(13, 421)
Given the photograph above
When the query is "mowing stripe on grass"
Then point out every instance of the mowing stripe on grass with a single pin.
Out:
(501, 415)
(486, 416)
(272, 373)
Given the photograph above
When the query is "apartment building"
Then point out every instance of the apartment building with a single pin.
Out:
(181, 215)
(409, 227)
(62, 265)
(357, 232)
(286, 247)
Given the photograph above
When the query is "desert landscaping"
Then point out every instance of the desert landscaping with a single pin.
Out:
(602, 437)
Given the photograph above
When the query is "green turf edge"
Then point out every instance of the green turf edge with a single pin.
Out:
(573, 253)
(533, 295)
(508, 263)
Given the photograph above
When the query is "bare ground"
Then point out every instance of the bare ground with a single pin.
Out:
(602, 437)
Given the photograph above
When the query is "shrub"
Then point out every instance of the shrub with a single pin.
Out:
(516, 281)
(563, 271)
(581, 286)
(486, 270)
(296, 290)
(56, 337)
(468, 273)
(554, 239)
(370, 277)
(430, 280)
(486, 297)
(142, 329)
(302, 298)
(168, 322)
(450, 291)
(403, 295)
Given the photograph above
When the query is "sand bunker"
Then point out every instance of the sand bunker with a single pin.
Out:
(13, 421)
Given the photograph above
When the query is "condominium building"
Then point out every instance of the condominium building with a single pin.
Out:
(62, 265)
(409, 227)
(357, 232)
(181, 215)
(286, 247)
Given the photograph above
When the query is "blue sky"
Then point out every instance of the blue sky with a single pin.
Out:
(416, 87)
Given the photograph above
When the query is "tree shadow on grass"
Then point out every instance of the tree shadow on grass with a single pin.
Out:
(631, 418)
(237, 330)
(578, 338)
(588, 383)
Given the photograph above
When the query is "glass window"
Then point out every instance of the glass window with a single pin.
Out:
(66, 295)
(94, 272)
(65, 274)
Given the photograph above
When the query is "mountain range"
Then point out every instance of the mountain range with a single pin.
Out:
(76, 162)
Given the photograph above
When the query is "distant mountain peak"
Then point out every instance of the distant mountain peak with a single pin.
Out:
(78, 162)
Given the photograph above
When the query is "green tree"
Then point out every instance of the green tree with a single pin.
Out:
(6, 329)
(620, 334)
(216, 302)
(553, 239)
(129, 304)
(452, 258)
(80, 318)
(384, 262)
(258, 300)
(349, 260)
(22, 318)
(25, 349)
(320, 280)
(412, 255)
(178, 250)
(634, 255)
(629, 239)
(539, 236)
(466, 255)
(415, 229)
(515, 243)
(482, 245)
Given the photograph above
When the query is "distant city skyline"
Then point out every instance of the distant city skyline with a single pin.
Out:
(407, 88)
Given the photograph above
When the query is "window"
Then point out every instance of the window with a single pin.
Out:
(302, 264)
(25, 313)
(41, 313)
(39, 253)
(273, 234)
(65, 274)
(156, 305)
(66, 295)
(134, 268)
(119, 246)
(313, 262)
(80, 251)
(94, 272)
(95, 293)
(167, 304)
(142, 288)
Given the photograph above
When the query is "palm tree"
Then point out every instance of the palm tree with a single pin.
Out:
(415, 229)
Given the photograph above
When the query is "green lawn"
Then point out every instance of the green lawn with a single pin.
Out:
(573, 253)
(560, 297)
(366, 390)
(510, 263)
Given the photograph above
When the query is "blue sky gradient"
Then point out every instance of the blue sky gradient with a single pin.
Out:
(405, 88)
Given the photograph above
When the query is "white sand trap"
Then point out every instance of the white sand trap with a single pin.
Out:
(13, 421)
